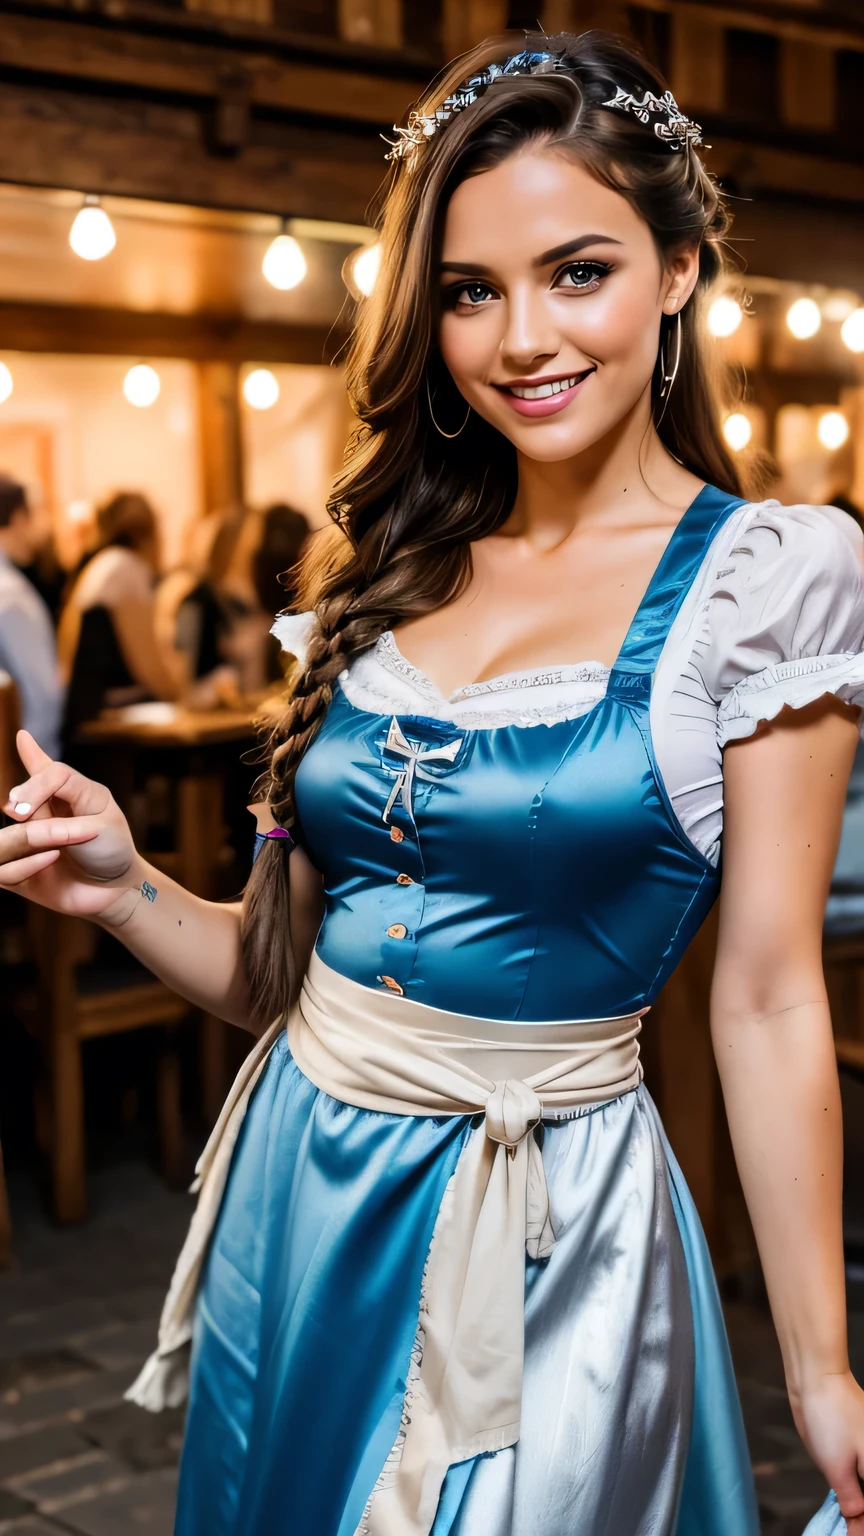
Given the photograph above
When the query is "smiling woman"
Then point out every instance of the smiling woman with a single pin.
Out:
(445, 1278)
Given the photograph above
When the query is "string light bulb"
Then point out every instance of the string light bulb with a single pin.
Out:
(852, 331)
(142, 385)
(832, 430)
(6, 384)
(261, 389)
(737, 430)
(724, 316)
(804, 318)
(838, 306)
(365, 268)
(284, 264)
(92, 234)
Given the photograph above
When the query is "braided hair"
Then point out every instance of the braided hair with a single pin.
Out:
(409, 502)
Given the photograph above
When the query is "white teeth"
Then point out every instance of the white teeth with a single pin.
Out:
(543, 391)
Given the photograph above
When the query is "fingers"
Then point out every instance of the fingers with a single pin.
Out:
(24, 869)
(56, 781)
(30, 753)
(17, 842)
(847, 1487)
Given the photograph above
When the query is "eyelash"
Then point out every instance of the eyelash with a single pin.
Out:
(597, 270)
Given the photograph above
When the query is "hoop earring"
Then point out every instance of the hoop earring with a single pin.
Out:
(432, 414)
(668, 379)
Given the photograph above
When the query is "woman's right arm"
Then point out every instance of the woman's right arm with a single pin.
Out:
(163, 672)
(71, 851)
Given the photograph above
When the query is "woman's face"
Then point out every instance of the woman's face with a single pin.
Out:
(552, 297)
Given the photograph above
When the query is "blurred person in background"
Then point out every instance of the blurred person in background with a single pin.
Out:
(109, 645)
(218, 606)
(283, 539)
(194, 614)
(28, 650)
(107, 635)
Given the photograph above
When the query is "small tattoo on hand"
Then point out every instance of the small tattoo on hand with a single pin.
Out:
(148, 891)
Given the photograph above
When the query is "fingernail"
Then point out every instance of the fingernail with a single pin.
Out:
(23, 808)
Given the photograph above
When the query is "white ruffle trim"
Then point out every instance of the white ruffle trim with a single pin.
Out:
(795, 684)
(383, 681)
(293, 630)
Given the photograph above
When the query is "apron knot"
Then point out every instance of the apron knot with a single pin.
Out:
(512, 1110)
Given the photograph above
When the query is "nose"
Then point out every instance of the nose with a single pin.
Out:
(530, 334)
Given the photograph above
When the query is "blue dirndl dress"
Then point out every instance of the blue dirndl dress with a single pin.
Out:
(516, 874)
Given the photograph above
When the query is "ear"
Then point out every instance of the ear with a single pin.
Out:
(680, 278)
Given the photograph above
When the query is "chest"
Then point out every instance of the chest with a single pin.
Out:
(521, 610)
(485, 807)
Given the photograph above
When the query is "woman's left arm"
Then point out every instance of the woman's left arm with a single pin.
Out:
(784, 795)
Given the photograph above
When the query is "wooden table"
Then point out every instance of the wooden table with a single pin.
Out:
(195, 749)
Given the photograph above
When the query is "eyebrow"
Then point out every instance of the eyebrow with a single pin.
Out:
(558, 252)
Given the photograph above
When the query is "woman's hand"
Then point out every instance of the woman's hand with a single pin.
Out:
(71, 846)
(829, 1417)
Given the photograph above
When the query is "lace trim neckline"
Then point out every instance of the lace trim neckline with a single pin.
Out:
(390, 657)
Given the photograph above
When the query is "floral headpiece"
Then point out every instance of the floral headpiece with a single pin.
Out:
(660, 113)
(423, 125)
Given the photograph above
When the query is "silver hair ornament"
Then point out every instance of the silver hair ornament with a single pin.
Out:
(423, 125)
(661, 114)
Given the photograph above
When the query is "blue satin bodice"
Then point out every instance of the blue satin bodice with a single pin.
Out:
(531, 873)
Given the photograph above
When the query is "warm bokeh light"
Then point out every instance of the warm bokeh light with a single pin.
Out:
(833, 429)
(261, 389)
(284, 264)
(737, 430)
(365, 268)
(838, 306)
(92, 234)
(141, 385)
(6, 385)
(804, 318)
(852, 332)
(724, 316)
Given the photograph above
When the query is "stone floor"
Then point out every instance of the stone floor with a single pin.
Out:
(78, 1314)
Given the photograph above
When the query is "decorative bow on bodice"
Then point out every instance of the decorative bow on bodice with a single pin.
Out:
(415, 755)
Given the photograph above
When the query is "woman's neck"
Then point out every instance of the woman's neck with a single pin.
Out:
(629, 474)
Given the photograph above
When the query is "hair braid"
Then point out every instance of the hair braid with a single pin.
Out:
(340, 632)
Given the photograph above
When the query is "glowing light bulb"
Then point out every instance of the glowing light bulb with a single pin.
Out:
(852, 331)
(724, 316)
(284, 264)
(833, 430)
(261, 389)
(365, 268)
(838, 306)
(141, 385)
(92, 234)
(6, 385)
(737, 430)
(804, 318)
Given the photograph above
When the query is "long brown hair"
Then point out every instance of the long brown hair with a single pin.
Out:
(409, 502)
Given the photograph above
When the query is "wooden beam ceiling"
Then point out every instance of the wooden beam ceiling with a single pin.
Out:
(74, 51)
(82, 329)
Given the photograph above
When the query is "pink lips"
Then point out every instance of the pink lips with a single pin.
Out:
(551, 405)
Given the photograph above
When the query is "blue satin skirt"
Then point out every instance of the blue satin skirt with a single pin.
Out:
(631, 1424)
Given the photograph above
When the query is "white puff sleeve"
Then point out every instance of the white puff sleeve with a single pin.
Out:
(785, 618)
(293, 631)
